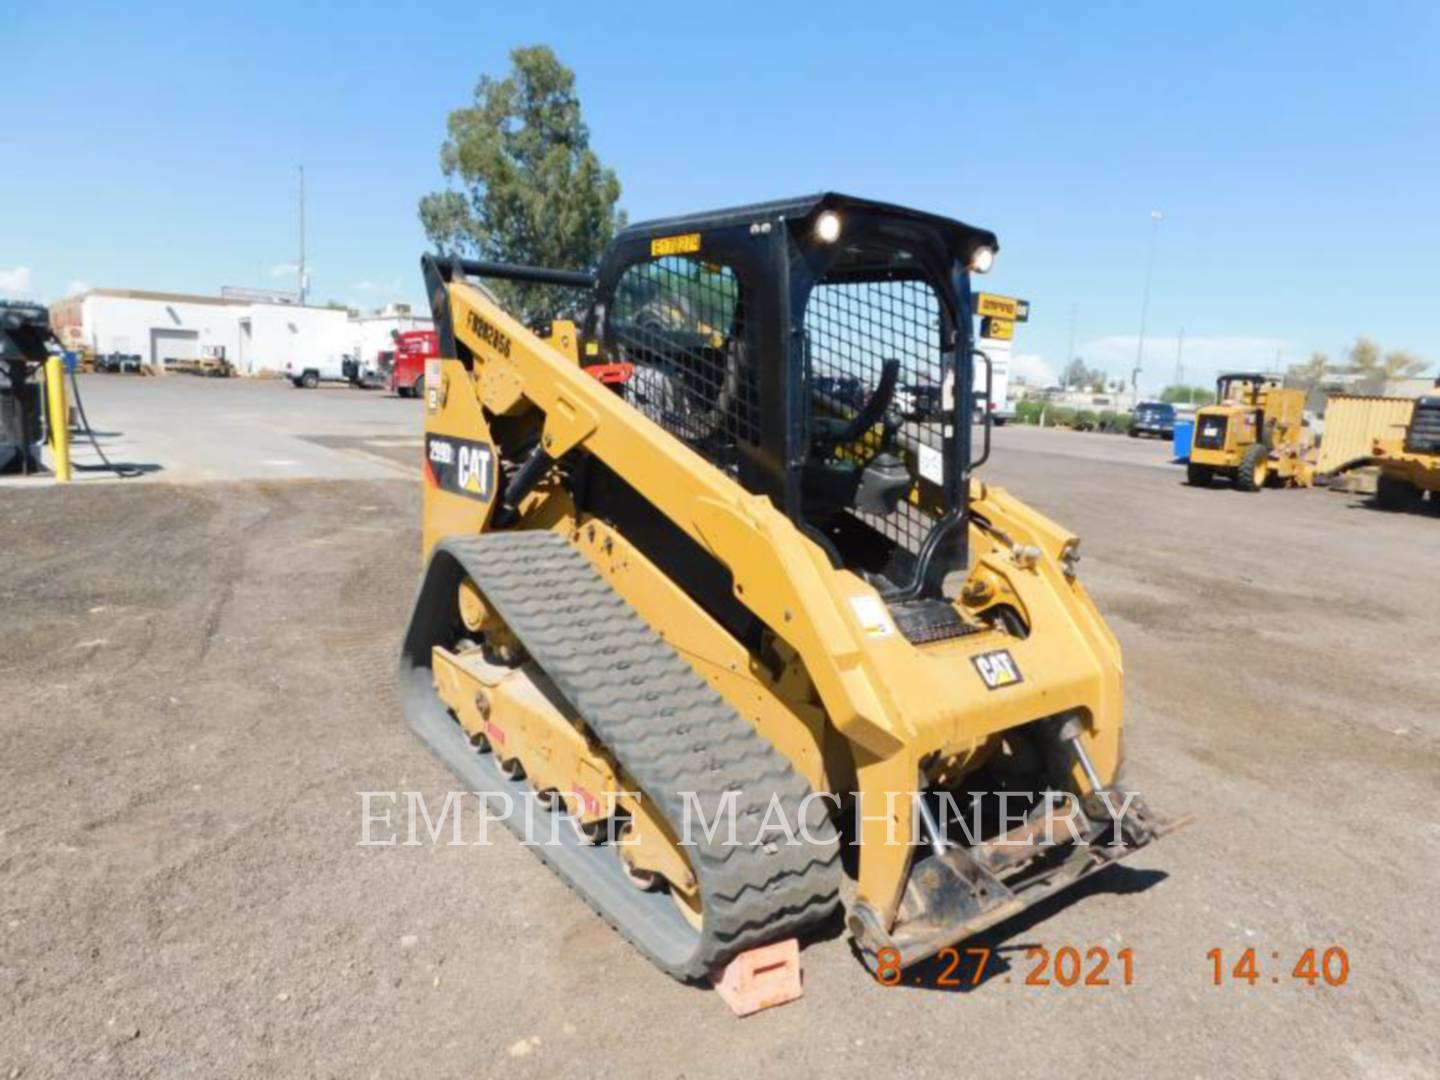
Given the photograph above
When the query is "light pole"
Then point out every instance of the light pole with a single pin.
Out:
(1180, 360)
(1070, 349)
(1155, 218)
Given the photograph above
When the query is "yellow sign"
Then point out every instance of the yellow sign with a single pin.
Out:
(997, 329)
(1002, 307)
(675, 245)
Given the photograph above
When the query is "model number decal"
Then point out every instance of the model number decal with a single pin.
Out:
(997, 669)
(685, 244)
(488, 334)
(461, 466)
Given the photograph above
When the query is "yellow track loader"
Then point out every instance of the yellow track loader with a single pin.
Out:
(698, 590)
(1254, 434)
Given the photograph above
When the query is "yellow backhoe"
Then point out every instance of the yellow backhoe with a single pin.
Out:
(698, 589)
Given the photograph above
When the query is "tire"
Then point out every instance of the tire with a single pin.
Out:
(296, 383)
(310, 380)
(1392, 493)
(1133, 433)
(417, 388)
(1199, 475)
(404, 391)
(1254, 468)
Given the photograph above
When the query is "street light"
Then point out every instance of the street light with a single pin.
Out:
(1155, 218)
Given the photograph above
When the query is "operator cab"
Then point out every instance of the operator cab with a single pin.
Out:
(1244, 387)
(783, 341)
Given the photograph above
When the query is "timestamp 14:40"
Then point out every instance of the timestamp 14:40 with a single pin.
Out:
(1330, 967)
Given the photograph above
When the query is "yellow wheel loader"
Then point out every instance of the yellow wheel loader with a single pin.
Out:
(701, 599)
(1254, 435)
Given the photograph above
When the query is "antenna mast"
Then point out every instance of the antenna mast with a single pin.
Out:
(302, 236)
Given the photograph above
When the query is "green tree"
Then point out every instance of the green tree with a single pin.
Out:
(1376, 369)
(1365, 357)
(1079, 376)
(1309, 374)
(1188, 395)
(1402, 364)
(531, 189)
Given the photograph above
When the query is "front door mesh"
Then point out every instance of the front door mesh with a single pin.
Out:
(852, 329)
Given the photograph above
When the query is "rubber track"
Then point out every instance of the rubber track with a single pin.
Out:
(671, 732)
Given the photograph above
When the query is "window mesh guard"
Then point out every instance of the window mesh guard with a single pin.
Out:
(852, 330)
(679, 320)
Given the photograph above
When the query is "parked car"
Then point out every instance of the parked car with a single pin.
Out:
(116, 362)
(1153, 418)
(346, 368)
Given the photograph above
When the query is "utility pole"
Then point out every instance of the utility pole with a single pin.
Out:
(1155, 218)
(302, 236)
(1180, 359)
(1070, 351)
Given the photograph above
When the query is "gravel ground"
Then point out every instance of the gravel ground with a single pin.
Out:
(198, 682)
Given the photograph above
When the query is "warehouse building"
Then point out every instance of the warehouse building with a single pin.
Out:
(255, 331)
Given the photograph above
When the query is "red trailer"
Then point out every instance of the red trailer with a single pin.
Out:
(407, 370)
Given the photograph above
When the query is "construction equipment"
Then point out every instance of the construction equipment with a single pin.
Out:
(1254, 434)
(1410, 465)
(25, 376)
(406, 374)
(679, 591)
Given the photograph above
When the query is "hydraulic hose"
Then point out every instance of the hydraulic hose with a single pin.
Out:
(123, 471)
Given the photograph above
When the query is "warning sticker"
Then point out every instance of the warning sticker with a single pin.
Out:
(874, 619)
(931, 464)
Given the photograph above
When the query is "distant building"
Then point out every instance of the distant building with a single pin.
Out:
(1422, 386)
(255, 332)
(374, 333)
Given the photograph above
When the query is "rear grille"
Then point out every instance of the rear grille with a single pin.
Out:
(1424, 434)
(1210, 432)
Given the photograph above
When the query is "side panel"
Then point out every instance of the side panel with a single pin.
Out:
(455, 504)
(1352, 424)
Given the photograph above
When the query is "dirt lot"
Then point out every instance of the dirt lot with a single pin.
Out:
(197, 681)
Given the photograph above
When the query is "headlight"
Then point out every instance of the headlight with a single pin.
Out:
(827, 227)
(982, 259)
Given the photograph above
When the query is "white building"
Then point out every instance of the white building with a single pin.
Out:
(255, 335)
(373, 333)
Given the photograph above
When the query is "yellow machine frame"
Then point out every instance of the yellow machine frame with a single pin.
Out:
(1419, 470)
(858, 708)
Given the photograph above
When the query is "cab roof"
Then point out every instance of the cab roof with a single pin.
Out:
(959, 237)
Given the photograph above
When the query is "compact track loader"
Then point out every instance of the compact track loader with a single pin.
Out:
(699, 590)
(1254, 434)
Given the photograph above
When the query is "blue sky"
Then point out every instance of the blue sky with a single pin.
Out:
(1294, 148)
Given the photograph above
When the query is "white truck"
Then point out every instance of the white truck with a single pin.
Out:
(344, 367)
(998, 403)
